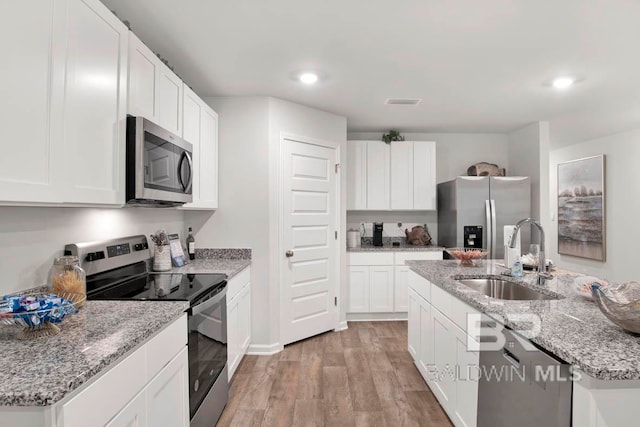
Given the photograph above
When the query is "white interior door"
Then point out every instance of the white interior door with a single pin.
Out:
(308, 245)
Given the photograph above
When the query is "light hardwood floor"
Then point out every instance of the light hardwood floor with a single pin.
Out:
(363, 376)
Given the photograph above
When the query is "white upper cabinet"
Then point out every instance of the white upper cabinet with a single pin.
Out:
(89, 119)
(30, 163)
(424, 175)
(200, 126)
(357, 175)
(378, 175)
(170, 100)
(66, 117)
(155, 92)
(144, 70)
(208, 162)
(396, 176)
(401, 175)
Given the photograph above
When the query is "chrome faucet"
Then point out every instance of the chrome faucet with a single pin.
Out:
(543, 276)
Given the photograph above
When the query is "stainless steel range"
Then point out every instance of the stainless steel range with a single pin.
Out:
(117, 270)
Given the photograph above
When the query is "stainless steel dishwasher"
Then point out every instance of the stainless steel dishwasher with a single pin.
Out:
(520, 387)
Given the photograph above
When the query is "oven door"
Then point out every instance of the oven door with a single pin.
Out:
(208, 352)
(159, 164)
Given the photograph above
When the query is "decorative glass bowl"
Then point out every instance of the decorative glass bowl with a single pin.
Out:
(40, 322)
(467, 255)
(621, 304)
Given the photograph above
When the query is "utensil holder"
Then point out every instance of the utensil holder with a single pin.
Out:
(161, 258)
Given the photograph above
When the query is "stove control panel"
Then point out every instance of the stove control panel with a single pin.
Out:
(97, 257)
(117, 250)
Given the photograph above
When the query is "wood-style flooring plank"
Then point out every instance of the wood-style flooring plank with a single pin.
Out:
(362, 376)
(363, 391)
(309, 413)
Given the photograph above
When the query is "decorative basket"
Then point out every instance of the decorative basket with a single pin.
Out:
(467, 255)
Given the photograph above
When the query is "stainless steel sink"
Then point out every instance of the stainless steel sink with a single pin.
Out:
(504, 289)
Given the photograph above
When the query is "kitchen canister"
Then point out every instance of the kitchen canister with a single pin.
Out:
(161, 258)
(353, 238)
(68, 280)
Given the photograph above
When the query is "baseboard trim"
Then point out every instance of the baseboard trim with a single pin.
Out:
(264, 349)
(376, 317)
(342, 326)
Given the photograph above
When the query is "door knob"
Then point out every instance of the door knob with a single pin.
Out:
(289, 254)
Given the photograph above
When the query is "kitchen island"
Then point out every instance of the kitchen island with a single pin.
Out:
(605, 359)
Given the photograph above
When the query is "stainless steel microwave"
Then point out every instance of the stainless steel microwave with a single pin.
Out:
(159, 166)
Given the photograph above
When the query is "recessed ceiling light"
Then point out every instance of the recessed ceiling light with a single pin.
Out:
(563, 82)
(308, 78)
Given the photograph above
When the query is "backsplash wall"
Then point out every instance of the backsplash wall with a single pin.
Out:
(31, 237)
(390, 222)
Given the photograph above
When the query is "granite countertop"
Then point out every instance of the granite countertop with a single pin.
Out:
(217, 260)
(572, 328)
(227, 266)
(387, 247)
(41, 372)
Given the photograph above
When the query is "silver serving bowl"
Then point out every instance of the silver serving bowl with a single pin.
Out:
(621, 305)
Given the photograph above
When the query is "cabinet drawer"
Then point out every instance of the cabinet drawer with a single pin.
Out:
(441, 300)
(370, 258)
(401, 257)
(459, 312)
(112, 392)
(164, 346)
(419, 284)
(237, 282)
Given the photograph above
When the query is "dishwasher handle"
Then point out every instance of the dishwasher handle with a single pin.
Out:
(511, 358)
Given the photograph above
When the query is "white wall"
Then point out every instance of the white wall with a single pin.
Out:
(622, 204)
(528, 156)
(287, 117)
(249, 147)
(31, 237)
(455, 152)
(242, 219)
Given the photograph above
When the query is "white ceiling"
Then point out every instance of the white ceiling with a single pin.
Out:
(478, 65)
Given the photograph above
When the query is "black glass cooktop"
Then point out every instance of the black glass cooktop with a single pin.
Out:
(136, 284)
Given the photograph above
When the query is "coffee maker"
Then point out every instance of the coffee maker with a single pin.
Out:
(377, 234)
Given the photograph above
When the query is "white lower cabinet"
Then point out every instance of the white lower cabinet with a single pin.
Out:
(147, 387)
(381, 289)
(238, 318)
(379, 281)
(164, 401)
(401, 287)
(168, 394)
(440, 350)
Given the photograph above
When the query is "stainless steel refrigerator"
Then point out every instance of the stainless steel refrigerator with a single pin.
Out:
(473, 211)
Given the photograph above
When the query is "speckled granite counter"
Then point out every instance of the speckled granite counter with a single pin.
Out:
(572, 328)
(230, 267)
(41, 372)
(225, 261)
(387, 247)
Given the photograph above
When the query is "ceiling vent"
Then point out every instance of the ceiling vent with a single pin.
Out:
(403, 101)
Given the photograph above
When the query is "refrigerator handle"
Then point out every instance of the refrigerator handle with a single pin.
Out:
(493, 229)
(487, 206)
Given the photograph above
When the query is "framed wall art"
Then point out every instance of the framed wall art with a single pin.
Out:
(581, 208)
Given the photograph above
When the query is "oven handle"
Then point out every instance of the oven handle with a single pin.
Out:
(207, 303)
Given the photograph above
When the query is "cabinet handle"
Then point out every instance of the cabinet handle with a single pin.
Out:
(289, 254)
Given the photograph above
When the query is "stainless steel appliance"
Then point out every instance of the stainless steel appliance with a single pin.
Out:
(117, 270)
(523, 387)
(472, 211)
(159, 166)
(377, 234)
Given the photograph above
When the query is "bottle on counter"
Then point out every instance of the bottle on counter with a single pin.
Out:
(191, 245)
(517, 269)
